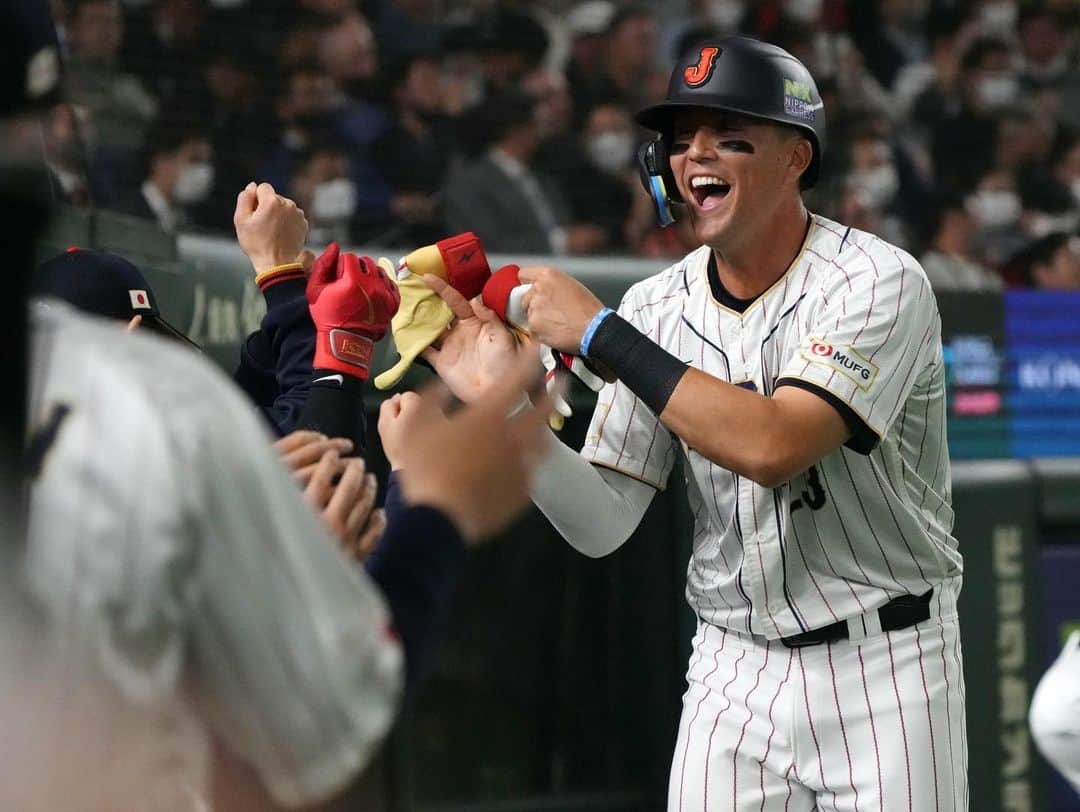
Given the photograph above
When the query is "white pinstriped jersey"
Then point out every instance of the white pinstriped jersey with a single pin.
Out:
(170, 549)
(854, 319)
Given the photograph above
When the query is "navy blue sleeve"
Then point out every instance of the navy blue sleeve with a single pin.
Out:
(416, 564)
(275, 362)
(335, 407)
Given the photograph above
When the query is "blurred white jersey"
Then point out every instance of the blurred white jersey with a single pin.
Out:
(855, 321)
(1055, 712)
(178, 568)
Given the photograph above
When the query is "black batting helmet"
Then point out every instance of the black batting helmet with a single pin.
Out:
(738, 75)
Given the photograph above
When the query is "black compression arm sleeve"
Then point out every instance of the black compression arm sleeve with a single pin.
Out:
(646, 368)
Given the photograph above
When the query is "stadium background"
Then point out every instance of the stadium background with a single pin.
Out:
(952, 133)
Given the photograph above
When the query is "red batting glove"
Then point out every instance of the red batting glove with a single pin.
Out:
(352, 301)
(466, 264)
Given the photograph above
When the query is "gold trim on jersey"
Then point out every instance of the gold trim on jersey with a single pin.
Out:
(768, 290)
(630, 474)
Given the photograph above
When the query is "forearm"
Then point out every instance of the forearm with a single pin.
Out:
(594, 509)
(754, 436)
(737, 429)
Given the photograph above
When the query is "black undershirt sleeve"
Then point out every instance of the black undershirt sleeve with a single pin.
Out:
(863, 439)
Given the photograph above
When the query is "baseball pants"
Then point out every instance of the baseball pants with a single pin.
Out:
(868, 724)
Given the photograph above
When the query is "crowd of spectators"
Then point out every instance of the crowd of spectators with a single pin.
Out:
(953, 126)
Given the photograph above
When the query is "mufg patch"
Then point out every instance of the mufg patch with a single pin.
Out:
(843, 359)
(797, 100)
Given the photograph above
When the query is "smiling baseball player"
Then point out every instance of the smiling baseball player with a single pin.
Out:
(796, 365)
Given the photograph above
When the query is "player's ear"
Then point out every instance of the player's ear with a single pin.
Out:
(800, 156)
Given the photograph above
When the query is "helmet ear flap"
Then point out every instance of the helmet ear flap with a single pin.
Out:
(654, 169)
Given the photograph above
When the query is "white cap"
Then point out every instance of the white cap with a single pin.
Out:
(590, 17)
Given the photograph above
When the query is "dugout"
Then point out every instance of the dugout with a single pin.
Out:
(559, 681)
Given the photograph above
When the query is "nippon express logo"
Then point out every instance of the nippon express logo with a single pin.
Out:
(843, 359)
(798, 101)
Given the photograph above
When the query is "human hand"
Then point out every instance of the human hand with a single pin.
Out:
(341, 491)
(476, 465)
(394, 418)
(271, 229)
(477, 351)
(301, 451)
(352, 300)
(559, 308)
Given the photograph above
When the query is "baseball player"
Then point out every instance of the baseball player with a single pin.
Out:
(185, 587)
(796, 366)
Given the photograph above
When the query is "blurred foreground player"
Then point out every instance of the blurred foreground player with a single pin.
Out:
(186, 587)
(796, 365)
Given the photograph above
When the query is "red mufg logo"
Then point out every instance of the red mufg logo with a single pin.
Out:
(697, 75)
(821, 349)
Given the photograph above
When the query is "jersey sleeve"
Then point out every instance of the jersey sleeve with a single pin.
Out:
(624, 434)
(867, 345)
(296, 664)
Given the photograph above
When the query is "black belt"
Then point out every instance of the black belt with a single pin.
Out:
(899, 613)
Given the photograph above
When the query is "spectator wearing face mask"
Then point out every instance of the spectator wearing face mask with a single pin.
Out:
(348, 53)
(997, 210)
(323, 187)
(962, 141)
(178, 175)
(949, 261)
(604, 194)
(874, 180)
(227, 96)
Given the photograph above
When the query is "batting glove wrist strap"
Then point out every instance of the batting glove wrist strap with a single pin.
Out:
(644, 367)
(590, 331)
(344, 351)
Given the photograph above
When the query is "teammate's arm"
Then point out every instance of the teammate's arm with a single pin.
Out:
(275, 360)
(594, 509)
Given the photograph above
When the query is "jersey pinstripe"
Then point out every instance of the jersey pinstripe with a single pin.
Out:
(853, 319)
(175, 558)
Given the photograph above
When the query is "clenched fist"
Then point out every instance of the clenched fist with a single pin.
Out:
(352, 300)
(271, 229)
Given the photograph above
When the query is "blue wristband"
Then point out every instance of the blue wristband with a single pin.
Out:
(590, 331)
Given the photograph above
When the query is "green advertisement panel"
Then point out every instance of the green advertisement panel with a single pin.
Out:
(996, 506)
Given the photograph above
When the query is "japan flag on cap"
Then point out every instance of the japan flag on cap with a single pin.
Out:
(139, 300)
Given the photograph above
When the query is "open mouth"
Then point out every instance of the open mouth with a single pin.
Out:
(709, 191)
